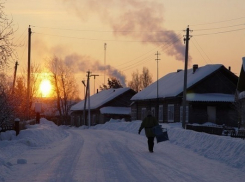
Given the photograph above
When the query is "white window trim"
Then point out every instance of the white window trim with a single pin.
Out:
(153, 111)
(170, 119)
(186, 113)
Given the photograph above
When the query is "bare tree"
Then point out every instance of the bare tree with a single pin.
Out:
(34, 83)
(65, 86)
(135, 83)
(140, 81)
(6, 108)
(6, 51)
(6, 37)
(146, 78)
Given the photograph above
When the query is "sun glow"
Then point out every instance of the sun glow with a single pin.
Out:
(45, 88)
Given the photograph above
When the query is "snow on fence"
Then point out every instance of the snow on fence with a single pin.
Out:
(17, 125)
(217, 130)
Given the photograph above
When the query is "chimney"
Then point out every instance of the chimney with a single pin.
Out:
(178, 70)
(195, 67)
(229, 68)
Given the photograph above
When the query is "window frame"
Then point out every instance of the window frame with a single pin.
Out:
(160, 113)
(170, 112)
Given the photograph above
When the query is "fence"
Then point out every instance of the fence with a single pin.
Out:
(17, 126)
(206, 129)
(218, 130)
(238, 134)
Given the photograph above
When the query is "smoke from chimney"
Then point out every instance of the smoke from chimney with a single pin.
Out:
(85, 63)
(140, 20)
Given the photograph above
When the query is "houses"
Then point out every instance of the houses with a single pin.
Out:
(210, 96)
(104, 105)
(240, 97)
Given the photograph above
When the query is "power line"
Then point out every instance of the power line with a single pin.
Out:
(220, 27)
(166, 46)
(209, 60)
(228, 31)
(130, 61)
(218, 21)
(95, 39)
(100, 31)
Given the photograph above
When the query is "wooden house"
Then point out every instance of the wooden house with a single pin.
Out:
(104, 105)
(210, 96)
(240, 97)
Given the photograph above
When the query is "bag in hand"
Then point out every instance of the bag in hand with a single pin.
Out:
(160, 133)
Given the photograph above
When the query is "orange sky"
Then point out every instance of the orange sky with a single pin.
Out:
(133, 30)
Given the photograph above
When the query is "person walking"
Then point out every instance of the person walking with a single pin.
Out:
(148, 123)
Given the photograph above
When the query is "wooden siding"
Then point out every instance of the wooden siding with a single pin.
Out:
(122, 100)
(221, 81)
(218, 82)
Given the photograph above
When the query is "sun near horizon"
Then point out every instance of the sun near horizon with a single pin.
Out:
(45, 88)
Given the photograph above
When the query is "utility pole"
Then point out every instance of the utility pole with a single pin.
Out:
(88, 88)
(87, 96)
(94, 81)
(83, 81)
(186, 41)
(15, 71)
(104, 61)
(85, 101)
(28, 72)
(157, 109)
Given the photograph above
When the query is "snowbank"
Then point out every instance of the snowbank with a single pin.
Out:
(225, 149)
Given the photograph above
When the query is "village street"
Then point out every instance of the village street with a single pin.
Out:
(110, 155)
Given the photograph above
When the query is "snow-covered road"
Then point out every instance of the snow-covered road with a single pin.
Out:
(94, 155)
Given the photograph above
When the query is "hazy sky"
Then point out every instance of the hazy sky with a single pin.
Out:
(134, 30)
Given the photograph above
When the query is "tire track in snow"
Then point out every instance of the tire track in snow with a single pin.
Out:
(55, 162)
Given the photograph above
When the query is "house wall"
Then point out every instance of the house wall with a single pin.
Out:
(225, 113)
(149, 104)
(96, 118)
(219, 82)
(122, 100)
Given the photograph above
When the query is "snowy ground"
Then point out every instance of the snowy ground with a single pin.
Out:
(115, 152)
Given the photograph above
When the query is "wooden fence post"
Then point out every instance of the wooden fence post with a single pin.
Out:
(17, 126)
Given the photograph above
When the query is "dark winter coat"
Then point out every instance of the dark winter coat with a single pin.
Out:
(148, 123)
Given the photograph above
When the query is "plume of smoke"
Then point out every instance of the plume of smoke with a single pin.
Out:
(85, 63)
(140, 20)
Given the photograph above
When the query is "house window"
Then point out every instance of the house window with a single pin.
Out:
(186, 113)
(171, 113)
(153, 111)
(160, 113)
(143, 113)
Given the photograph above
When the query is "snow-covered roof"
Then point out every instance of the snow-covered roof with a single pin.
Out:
(171, 84)
(100, 98)
(210, 97)
(116, 110)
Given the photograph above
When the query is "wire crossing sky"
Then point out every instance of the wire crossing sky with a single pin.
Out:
(133, 30)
